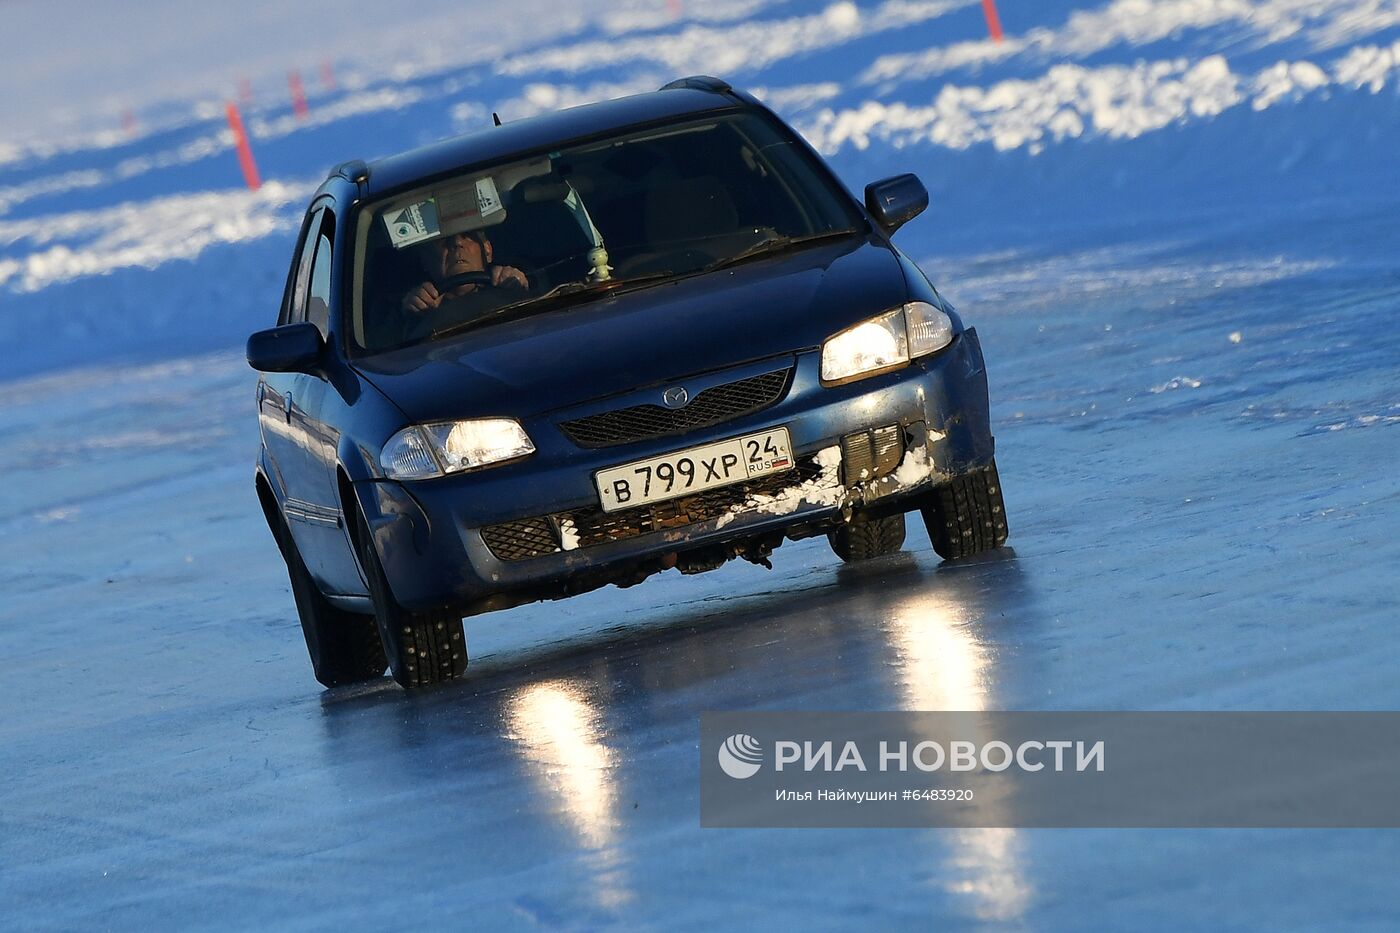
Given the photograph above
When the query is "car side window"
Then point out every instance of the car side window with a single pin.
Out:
(294, 309)
(318, 299)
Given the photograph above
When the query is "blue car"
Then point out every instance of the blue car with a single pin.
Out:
(649, 334)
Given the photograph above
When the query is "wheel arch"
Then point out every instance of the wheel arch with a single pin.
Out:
(350, 511)
(271, 509)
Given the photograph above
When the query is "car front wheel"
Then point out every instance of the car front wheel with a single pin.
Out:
(869, 539)
(423, 648)
(968, 515)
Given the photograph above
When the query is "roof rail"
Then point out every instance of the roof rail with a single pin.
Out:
(699, 83)
(355, 170)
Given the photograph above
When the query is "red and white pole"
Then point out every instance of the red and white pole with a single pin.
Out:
(245, 152)
(298, 95)
(989, 10)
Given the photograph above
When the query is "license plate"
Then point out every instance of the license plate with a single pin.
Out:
(690, 471)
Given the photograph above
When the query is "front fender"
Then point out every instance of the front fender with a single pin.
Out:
(355, 462)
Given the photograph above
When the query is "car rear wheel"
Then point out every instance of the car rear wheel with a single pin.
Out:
(423, 648)
(874, 538)
(344, 646)
(968, 515)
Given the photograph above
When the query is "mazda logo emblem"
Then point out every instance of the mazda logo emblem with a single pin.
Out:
(675, 397)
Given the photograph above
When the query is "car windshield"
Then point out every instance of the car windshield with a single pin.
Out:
(552, 231)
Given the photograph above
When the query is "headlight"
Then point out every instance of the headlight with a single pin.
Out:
(426, 450)
(886, 342)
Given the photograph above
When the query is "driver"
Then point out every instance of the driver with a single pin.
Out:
(454, 255)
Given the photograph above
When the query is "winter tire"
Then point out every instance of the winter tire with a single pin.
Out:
(874, 538)
(968, 515)
(423, 648)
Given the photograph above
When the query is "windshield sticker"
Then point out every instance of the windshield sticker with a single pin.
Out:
(413, 224)
(470, 207)
(486, 196)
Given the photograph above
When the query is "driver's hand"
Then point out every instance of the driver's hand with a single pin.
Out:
(422, 298)
(508, 275)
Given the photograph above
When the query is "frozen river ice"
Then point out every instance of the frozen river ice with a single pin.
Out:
(1203, 503)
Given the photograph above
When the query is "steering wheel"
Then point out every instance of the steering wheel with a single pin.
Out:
(419, 325)
(480, 279)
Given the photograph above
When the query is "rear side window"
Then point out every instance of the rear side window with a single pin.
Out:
(294, 304)
(318, 298)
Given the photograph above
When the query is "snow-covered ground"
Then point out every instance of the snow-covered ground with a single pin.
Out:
(1172, 223)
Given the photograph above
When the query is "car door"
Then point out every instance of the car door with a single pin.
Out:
(280, 394)
(330, 560)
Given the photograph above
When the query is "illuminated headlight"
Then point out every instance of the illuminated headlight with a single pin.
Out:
(427, 450)
(886, 342)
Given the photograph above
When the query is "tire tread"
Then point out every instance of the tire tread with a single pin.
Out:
(869, 539)
(418, 645)
(967, 515)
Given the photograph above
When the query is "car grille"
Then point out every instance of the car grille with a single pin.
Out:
(539, 536)
(529, 537)
(713, 405)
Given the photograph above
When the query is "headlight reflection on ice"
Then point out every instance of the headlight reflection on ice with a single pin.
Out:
(942, 666)
(561, 739)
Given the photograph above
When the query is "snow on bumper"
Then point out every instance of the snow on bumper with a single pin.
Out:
(449, 541)
(824, 489)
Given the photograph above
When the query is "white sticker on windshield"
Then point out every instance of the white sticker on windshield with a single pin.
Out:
(413, 224)
(487, 200)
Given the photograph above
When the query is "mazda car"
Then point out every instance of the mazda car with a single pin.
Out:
(650, 334)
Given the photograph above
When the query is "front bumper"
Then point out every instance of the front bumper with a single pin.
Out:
(429, 534)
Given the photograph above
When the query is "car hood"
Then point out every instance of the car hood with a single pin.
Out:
(761, 308)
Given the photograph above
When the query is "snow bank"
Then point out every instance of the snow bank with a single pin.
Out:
(353, 105)
(647, 15)
(745, 46)
(1324, 23)
(143, 234)
(194, 150)
(1071, 101)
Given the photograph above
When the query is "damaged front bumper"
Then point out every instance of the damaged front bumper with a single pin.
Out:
(872, 447)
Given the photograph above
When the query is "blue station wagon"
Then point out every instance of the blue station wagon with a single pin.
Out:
(649, 334)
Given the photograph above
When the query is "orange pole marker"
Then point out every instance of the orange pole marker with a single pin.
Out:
(989, 9)
(129, 124)
(245, 152)
(298, 95)
(327, 75)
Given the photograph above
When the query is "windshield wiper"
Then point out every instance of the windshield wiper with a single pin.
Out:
(551, 299)
(778, 244)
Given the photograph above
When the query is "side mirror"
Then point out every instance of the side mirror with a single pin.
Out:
(896, 201)
(291, 348)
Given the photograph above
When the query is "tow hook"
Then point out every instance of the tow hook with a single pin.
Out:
(849, 501)
(758, 550)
